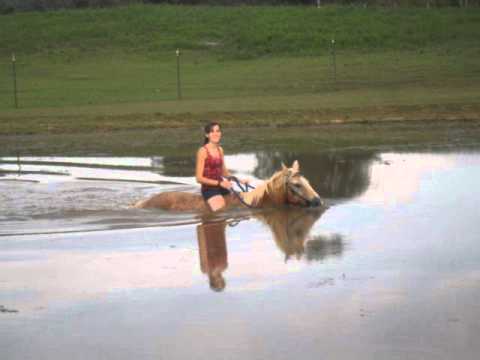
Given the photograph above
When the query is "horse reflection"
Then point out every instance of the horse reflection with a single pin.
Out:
(291, 229)
(322, 247)
(212, 246)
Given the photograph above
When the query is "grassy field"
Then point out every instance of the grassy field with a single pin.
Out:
(115, 69)
(235, 32)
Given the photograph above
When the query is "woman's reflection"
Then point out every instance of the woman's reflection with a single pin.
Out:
(212, 247)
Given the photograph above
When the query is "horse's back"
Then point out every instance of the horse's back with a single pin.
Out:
(174, 200)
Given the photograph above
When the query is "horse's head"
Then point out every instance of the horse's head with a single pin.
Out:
(285, 187)
(298, 189)
(291, 227)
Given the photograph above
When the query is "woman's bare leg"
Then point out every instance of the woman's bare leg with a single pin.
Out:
(216, 202)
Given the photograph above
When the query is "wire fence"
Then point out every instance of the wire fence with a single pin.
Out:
(25, 83)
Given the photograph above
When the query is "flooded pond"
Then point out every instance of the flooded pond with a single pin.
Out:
(389, 270)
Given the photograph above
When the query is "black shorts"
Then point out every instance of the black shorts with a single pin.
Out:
(214, 191)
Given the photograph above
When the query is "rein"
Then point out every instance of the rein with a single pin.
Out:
(239, 184)
(244, 189)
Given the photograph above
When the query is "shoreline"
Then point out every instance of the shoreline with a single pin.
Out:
(64, 121)
(430, 130)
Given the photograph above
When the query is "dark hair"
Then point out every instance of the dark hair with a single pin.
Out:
(208, 129)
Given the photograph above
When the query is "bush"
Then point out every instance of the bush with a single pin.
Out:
(5, 10)
(41, 5)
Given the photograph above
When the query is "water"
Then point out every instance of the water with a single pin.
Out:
(390, 270)
(58, 195)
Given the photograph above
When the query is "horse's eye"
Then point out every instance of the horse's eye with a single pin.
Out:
(297, 185)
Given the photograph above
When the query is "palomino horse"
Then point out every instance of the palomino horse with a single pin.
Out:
(285, 187)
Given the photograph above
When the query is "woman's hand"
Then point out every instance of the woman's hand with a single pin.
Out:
(226, 184)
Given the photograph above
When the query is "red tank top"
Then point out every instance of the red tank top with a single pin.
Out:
(213, 168)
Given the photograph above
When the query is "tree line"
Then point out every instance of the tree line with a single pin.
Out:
(10, 6)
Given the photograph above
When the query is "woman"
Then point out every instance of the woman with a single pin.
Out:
(210, 171)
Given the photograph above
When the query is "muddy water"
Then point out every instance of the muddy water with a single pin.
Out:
(390, 270)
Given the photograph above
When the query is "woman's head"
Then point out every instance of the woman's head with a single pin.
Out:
(217, 281)
(213, 133)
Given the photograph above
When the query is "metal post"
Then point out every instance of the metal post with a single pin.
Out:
(179, 88)
(14, 71)
(19, 164)
(334, 61)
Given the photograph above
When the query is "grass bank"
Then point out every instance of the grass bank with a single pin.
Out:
(115, 69)
(106, 95)
(387, 136)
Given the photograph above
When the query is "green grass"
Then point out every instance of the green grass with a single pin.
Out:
(133, 82)
(184, 142)
(234, 32)
(112, 69)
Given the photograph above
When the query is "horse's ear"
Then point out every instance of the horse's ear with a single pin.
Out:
(284, 167)
(296, 166)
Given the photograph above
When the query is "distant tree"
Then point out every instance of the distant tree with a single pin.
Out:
(9, 6)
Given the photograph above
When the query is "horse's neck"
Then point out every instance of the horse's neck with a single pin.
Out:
(256, 197)
(268, 192)
(276, 191)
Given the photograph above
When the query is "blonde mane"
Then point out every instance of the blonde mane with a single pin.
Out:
(272, 190)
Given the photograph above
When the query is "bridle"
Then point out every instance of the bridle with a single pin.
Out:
(294, 189)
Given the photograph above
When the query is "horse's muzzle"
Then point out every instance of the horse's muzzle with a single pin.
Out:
(315, 202)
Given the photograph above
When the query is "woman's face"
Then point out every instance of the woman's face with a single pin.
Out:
(215, 135)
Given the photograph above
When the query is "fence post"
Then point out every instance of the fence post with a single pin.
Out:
(179, 88)
(14, 73)
(334, 61)
(19, 163)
